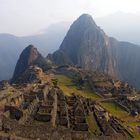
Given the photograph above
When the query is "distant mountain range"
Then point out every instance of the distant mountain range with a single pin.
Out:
(11, 46)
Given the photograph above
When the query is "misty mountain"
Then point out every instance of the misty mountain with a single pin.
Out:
(11, 46)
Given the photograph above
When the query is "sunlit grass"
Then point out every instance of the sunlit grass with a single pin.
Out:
(63, 80)
(117, 111)
(93, 126)
(68, 87)
(114, 108)
(127, 119)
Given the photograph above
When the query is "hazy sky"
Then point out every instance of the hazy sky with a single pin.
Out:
(24, 17)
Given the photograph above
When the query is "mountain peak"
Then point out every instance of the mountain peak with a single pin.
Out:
(31, 49)
(86, 45)
(30, 46)
(85, 16)
(85, 20)
(82, 29)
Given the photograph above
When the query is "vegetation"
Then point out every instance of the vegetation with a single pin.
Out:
(128, 120)
(114, 108)
(93, 126)
(67, 85)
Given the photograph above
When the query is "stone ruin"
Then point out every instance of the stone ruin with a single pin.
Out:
(46, 113)
(113, 87)
(131, 105)
(101, 83)
(31, 74)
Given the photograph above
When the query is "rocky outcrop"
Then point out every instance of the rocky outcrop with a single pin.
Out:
(29, 56)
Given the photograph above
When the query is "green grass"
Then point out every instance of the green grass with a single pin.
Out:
(116, 110)
(93, 126)
(68, 87)
(63, 80)
(120, 113)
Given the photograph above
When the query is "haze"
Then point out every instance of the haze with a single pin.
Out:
(26, 17)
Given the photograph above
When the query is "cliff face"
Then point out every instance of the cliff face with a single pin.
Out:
(86, 45)
(126, 55)
(29, 56)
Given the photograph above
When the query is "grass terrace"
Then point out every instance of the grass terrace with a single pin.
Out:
(68, 88)
(119, 112)
(93, 126)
